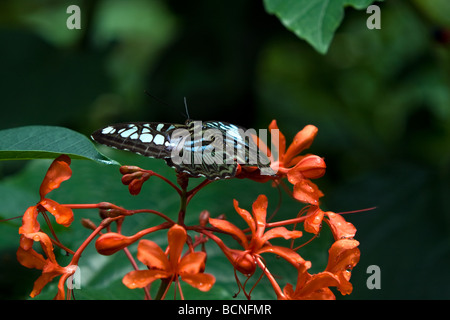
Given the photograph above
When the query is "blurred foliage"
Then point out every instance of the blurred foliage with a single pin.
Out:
(380, 99)
(313, 20)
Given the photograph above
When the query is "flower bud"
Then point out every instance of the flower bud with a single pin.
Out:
(112, 242)
(242, 261)
(129, 169)
(135, 186)
(204, 217)
(88, 224)
(130, 177)
(309, 167)
(312, 167)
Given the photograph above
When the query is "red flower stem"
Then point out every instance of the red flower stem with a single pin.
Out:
(217, 240)
(103, 224)
(83, 205)
(162, 215)
(135, 267)
(163, 288)
(304, 244)
(3, 220)
(140, 234)
(278, 205)
(164, 179)
(125, 212)
(56, 240)
(286, 222)
(183, 207)
(356, 211)
(282, 223)
(59, 244)
(272, 280)
(196, 189)
(285, 187)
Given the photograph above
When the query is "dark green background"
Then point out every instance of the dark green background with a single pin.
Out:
(380, 99)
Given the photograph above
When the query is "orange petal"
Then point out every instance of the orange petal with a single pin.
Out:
(339, 227)
(201, 281)
(45, 242)
(307, 192)
(150, 254)
(177, 238)
(246, 216)
(260, 144)
(41, 282)
(61, 294)
(62, 214)
(58, 172)
(309, 167)
(29, 221)
(302, 140)
(25, 243)
(192, 263)
(279, 232)
(231, 229)
(288, 291)
(343, 255)
(142, 278)
(280, 145)
(317, 287)
(314, 219)
(287, 254)
(259, 209)
(30, 258)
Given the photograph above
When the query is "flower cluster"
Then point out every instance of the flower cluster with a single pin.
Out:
(184, 258)
(30, 232)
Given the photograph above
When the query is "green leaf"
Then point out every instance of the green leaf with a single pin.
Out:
(47, 142)
(313, 20)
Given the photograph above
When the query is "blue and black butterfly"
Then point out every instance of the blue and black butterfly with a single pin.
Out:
(200, 145)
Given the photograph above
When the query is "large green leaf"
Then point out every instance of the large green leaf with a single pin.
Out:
(47, 142)
(313, 20)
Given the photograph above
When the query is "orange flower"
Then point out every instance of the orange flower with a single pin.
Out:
(339, 227)
(170, 267)
(245, 261)
(312, 287)
(58, 172)
(299, 169)
(343, 256)
(50, 267)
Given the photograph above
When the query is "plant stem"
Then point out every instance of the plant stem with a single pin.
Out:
(183, 206)
(163, 288)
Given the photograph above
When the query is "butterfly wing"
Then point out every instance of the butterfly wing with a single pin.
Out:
(150, 139)
(210, 149)
(244, 151)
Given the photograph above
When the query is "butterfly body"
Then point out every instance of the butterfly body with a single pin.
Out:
(196, 147)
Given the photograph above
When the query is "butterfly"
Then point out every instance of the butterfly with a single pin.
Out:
(211, 149)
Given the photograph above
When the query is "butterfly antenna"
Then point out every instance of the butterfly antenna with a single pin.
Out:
(185, 105)
(156, 98)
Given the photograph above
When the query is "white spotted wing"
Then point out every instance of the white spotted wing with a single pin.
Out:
(159, 140)
(147, 139)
